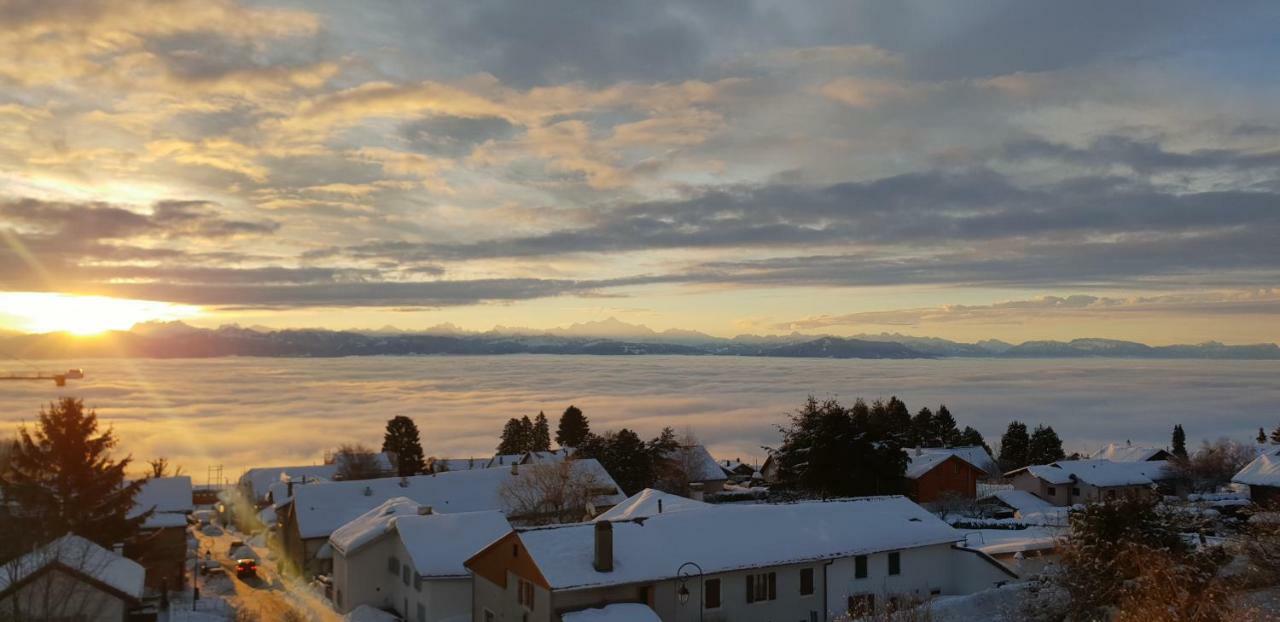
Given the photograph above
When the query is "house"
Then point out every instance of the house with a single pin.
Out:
(934, 474)
(1129, 452)
(161, 543)
(1262, 476)
(317, 510)
(71, 578)
(441, 465)
(1068, 482)
(737, 470)
(695, 464)
(769, 470)
(547, 457)
(1019, 503)
(505, 460)
(255, 483)
(650, 502)
(402, 556)
(819, 559)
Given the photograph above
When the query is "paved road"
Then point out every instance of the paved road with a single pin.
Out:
(266, 594)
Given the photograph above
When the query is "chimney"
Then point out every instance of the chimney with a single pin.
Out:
(425, 510)
(604, 546)
(659, 506)
(695, 491)
(118, 549)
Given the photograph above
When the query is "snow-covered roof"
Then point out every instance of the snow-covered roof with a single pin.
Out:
(646, 503)
(259, 479)
(998, 541)
(1022, 500)
(82, 556)
(1263, 471)
(459, 464)
(736, 467)
(930, 457)
(373, 524)
(544, 457)
(1101, 473)
(1116, 452)
(368, 613)
(439, 544)
(500, 460)
(164, 494)
(726, 537)
(618, 612)
(322, 508)
(702, 467)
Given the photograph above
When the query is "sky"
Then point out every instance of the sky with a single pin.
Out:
(990, 169)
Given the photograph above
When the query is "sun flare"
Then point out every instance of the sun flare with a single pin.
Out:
(82, 315)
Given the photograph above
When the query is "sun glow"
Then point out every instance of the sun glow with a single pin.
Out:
(82, 315)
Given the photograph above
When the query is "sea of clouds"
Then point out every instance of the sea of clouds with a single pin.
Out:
(243, 412)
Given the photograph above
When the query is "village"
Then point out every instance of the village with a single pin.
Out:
(552, 535)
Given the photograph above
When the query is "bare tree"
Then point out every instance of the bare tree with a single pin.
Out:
(550, 493)
(66, 593)
(1213, 464)
(357, 462)
(678, 467)
(160, 467)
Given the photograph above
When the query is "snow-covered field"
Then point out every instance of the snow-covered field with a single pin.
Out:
(242, 412)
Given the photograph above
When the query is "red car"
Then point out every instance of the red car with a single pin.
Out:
(246, 568)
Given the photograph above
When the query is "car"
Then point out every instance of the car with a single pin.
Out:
(246, 568)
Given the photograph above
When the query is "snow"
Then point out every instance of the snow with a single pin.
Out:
(726, 538)
(545, 457)
(84, 557)
(459, 464)
(1116, 452)
(997, 541)
(929, 457)
(620, 612)
(440, 544)
(169, 499)
(1263, 471)
(1101, 473)
(502, 460)
(258, 480)
(372, 525)
(365, 613)
(1050, 473)
(322, 508)
(702, 467)
(645, 503)
(1022, 501)
(998, 604)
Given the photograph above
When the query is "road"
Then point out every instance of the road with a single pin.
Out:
(266, 595)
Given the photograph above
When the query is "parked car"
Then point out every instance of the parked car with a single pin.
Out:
(246, 568)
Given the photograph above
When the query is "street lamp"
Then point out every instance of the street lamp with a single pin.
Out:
(683, 574)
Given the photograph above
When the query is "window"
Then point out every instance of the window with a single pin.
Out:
(1075, 491)
(895, 563)
(806, 581)
(860, 567)
(393, 565)
(417, 582)
(1052, 491)
(813, 616)
(861, 605)
(422, 613)
(762, 587)
(711, 588)
(525, 595)
(404, 576)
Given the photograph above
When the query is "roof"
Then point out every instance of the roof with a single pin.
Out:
(1263, 471)
(80, 556)
(646, 503)
(459, 464)
(371, 525)
(723, 538)
(1022, 500)
(1116, 452)
(1100, 473)
(736, 467)
(499, 460)
(931, 457)
(543, 457)
(259, 479)
(169, 498)
(702, 467)
(321, 508)
(618, 612)
(440, 544)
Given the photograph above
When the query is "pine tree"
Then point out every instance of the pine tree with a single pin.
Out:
(541, 437)
(1262, 437)
(922, 429)
(515, 437)
(945, 432)
(1179, 441)
(1014, 446)
(897, 423)
(830, 451)
(627, 459)
(1045, 446)
(1275, 436)
(402, 439)
(573, 429)
(970, 437)
(63, 477)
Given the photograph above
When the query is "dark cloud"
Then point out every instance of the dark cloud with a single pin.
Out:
(1143, 156)
(455, 136)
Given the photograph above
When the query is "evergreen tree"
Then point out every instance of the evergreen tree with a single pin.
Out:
(627, 459)
(829, 451)
(63, 477)
(540, 439)
(970, 437)
(1044, 446)
(1275, 436)
(1014, 446)
(402, 439)
(515, 437)
(1179, 442)
(945, 431)
(897, 423)
(573, 428)
(1262, 437)
(922, 429)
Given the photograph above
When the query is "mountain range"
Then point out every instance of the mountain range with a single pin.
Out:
(607, 337)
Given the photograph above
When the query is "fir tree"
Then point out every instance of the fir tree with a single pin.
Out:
(830, 451)
(515, 437)
(541, 437)
(1045, 446)
(63, 477)
(897, 423)
(402, 439)
(1179, 441)
(945, 432)
(1262, 437)
(1014, 446)
(922, 429)
(627, 459)
(1275, 436)
(970, 437)
(573, 429)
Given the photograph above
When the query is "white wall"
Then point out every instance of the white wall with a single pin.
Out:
(365, 579)
(58, 595)
(505, 602)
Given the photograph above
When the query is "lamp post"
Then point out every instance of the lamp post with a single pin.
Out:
(683, 574)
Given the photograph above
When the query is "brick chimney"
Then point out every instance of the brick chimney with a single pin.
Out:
(604, 546)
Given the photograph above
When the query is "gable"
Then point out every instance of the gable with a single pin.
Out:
(506, 554)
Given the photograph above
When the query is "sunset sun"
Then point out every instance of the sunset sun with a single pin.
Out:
(82, 315)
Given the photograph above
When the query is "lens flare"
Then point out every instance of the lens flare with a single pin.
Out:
(39, 312)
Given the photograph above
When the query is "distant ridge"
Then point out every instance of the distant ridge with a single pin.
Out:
(179, 340)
